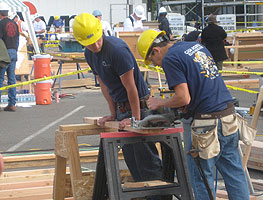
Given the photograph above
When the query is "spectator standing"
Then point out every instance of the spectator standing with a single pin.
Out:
(124, 89)
(134, 21)
(201, 94)
(58, 24)
(213, 37)
(9, 34)
(39, 27)
(164, 23)
(105, 25)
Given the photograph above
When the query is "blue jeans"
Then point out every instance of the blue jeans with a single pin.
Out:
(229, 164)
(11, 77)
(142, 159)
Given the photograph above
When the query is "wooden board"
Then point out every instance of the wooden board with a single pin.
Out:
(131, 39)
(243, 83)
(115, 124)
(75, 83)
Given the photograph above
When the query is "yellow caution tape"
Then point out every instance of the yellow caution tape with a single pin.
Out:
(242, 30)
(241, 89)
(43, 79)
(238, 72)
(243, 62)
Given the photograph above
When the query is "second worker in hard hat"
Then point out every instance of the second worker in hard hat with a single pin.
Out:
(202, 95)
(164, 23)
(124, 89)
(134, 21)
(58, 24)
(105, 25)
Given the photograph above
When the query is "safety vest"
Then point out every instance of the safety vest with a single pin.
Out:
(19, 25)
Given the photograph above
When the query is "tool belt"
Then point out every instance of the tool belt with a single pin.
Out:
(125, 106)
(216, 115)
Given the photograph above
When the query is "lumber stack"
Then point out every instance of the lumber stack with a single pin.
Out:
(255, 160)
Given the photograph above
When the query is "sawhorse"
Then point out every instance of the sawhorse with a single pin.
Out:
(59, 71)
(107, 180)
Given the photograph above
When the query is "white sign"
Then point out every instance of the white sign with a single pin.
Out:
(227, 22)
(176, 22)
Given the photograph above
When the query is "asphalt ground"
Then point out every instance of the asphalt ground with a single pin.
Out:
(33, 128)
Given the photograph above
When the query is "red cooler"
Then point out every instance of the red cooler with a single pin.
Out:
(43, 92)
(42, 66)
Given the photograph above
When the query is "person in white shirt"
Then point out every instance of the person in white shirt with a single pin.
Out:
(39, 27)
(105, 25)
(134, 21)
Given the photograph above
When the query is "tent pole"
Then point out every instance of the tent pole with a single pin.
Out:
(31, 31)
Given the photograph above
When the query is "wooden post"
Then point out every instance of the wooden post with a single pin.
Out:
(60, 178)
(254, 123)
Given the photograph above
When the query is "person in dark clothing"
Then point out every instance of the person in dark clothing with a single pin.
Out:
(9, 34)
(164, 23)
(192, 36)
(213, 37)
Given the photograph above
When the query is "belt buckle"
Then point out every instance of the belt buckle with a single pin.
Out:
(205, 116)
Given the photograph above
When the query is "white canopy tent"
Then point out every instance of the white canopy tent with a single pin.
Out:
(19, 6)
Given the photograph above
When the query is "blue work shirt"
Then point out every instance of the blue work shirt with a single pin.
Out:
(192, 63)
(113, 61)
(58, 23)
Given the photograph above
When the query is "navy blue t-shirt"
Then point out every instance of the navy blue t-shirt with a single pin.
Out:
(192, 63)
(114, 60)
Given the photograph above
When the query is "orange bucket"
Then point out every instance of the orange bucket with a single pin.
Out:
(42, 66)
(43, 92)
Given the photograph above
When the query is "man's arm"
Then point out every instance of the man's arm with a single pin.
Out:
(127, 80)
(181, 98)
(108, 98)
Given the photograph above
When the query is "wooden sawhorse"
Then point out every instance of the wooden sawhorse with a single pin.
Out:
(66, 149)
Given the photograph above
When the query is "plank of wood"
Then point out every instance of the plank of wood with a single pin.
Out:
(115, 124)
(27, 178)
(27, 192)
(15, 162)
(27, 184)
(75, 83)
(144, 184)
(245, 83)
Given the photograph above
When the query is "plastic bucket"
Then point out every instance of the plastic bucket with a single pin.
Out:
(42, 66)
(43, 92)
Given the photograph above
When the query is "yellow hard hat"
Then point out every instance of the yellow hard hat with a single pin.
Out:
(145, 41)
(87, 29)
(56, 17)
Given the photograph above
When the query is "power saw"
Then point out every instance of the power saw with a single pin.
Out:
(158, 121)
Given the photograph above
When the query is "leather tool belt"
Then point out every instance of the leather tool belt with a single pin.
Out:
(125, 106)
(216, 115)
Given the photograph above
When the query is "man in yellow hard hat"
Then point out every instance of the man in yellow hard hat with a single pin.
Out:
(123, 87)
(202, 95)
(58, 24)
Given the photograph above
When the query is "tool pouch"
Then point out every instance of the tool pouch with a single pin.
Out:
(246, 132)
(229, 124)
(205, 138)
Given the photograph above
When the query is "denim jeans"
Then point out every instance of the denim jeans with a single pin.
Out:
(229, 164)
(142, 159)
(11, 77)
